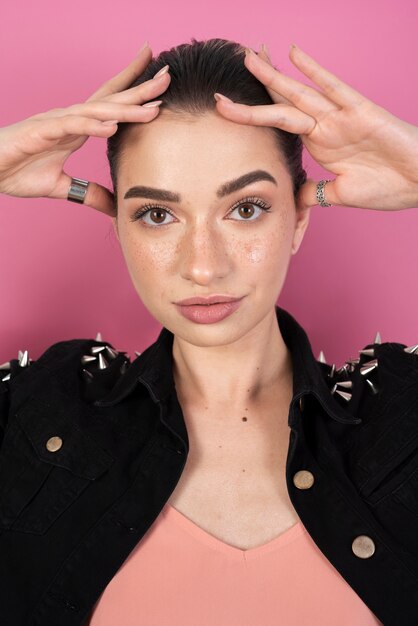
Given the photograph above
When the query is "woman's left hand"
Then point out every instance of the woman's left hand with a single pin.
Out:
(373, 154)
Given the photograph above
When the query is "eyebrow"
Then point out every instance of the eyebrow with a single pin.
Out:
(164, 195)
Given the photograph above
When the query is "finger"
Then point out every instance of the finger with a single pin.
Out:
(282, 116)
(307, 194)
(143, 92)
(59, 127)
(111, 111)
(57, 112)
(97, 197)
(101, 199)
(305, 98)
(335, 89)
(126, 77)
(273, 95)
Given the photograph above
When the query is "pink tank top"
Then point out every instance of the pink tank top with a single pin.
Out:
(180, 574)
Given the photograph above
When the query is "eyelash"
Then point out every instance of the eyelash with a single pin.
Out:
(146, 208)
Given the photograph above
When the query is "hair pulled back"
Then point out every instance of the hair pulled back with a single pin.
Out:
(197, 70)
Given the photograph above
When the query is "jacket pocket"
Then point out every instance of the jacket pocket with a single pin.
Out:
(392, 458)
(37, 485)
(407, 492)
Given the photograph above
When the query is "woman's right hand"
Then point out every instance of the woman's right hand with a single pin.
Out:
(33, 151)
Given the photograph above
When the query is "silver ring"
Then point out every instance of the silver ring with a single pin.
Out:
(320, 196)
(78, 189)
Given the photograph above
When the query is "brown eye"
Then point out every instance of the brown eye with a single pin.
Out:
(246, 210)
(152, 216)
(250, 209)
(158, 215)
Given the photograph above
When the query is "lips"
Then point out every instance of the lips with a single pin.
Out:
(211, 312)
(206, 300)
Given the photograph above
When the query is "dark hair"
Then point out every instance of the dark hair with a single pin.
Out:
(197, 70)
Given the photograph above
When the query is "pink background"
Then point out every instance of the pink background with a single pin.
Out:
(62, 272)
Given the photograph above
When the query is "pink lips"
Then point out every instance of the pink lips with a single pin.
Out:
(208, 310)
(214, 299)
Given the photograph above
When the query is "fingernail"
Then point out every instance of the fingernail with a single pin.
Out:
(162, 71)
(155, 103)
(219, 96)
(110, 122)
(265, 49)
(292, 45)
(249, 51)
(146, 45)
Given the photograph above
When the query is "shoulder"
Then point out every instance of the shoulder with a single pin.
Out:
(75, 363)
(387, 370)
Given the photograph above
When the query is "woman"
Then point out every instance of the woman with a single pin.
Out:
(280, 513)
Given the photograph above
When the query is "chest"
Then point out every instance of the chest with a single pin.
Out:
(233, 485)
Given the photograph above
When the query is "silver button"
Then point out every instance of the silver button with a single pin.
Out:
(363, 546)
(303, 479)
(54, 443)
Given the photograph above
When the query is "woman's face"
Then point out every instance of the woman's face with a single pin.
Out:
(203, 238)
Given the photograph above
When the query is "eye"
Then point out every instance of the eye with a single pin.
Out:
(156, 214)
(246, 210)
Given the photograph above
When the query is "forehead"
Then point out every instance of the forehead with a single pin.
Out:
(199, 149)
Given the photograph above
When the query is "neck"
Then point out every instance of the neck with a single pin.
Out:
(246, 372)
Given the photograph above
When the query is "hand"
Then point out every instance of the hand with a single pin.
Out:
(33, 151)
(373, 154)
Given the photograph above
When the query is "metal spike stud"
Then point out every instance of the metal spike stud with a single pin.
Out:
(345, 383)
(331, 374)
(344, 394)
(87, 358)
(410, 350)
(97, 349)
(123, 367)
(321, 357)
(112, 354)
(353, 361)
(5, 366)
(138, 353)
(88, 376)
(23, 358)
(372, 386)
(367, 352)
(6, 377)
(351, 366)
(343, 370)
(368, 367)
(99, 337)
(377, 339)
(102, 362)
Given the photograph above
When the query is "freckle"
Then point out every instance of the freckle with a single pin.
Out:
(243, 470)
(244, 419)
(219, 446)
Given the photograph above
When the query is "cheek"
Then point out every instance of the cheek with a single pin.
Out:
(149, 262)
(254, 252)
(269, 250)
(149, 256)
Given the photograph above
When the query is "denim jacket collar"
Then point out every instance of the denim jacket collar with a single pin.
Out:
(154, 369)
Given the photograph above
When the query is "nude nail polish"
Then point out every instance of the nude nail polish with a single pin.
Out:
(156, 103)
(219, 96)
(162, 71)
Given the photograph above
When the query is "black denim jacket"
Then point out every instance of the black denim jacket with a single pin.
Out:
(92, 449)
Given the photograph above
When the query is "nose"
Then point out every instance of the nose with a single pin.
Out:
(204, 255)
